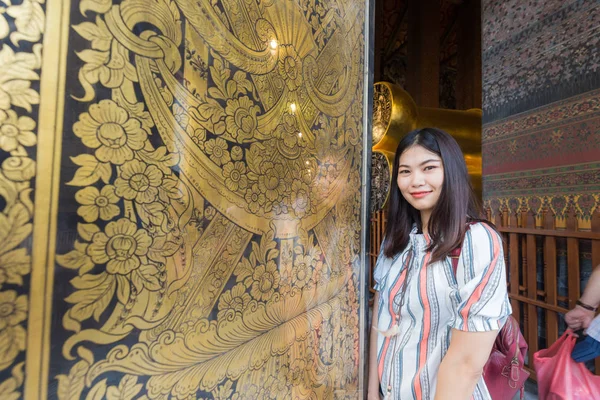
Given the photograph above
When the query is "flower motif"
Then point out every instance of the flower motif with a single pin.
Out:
(120, 246)
(217, 150)
(290, 66)
(139, 181)
(237, 153)
(302, 271)
(95, 203)
(271, 182)
(235, 176)
(15, 131)
(18, 169)
(234, 300)
(107, 128)
(241, 119)
(255, 198)
(13, 309)
(266, 280)
(301, 202)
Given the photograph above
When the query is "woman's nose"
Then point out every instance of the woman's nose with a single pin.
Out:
(417, 179)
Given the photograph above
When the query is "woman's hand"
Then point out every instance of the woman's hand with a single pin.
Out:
(579, 318)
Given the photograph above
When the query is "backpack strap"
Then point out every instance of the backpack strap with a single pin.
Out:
(455, 254)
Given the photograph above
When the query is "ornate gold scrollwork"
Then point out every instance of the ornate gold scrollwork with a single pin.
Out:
(219, 197)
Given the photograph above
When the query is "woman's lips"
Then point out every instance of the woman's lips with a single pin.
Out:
(419, 195)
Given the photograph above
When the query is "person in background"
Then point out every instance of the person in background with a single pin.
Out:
(432, 329)
(582, 317)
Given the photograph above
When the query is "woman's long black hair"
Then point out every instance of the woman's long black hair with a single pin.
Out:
(456, 205)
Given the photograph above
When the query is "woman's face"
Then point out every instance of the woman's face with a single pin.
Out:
(420, 178)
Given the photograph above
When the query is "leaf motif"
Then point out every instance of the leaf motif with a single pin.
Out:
(243, 84)
(21, 95)
(14, 228)
(123, 289)
(9, 388)
(91, 170)
(128, 388)
(98, 34)
(98, 391)
(75, 259)
(211, 110)
(161, 158)
(19, 65)
(88, 281)
(29, 21)
(92, 301)
(99, 6)
(86, 231)
(151, 213)
(147, 277)
(12, 341)
(71, 386)
(15, 264)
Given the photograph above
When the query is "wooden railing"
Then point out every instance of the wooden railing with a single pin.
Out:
(530, 238)
(524, 236)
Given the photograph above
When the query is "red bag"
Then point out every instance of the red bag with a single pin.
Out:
(560, 377)
(503, 373)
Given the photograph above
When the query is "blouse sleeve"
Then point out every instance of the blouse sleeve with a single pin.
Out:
(482, 296)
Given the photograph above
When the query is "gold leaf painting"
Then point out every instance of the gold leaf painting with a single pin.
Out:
(181, 196)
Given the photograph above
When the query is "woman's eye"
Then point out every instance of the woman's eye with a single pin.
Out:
(430, 167)
(403, 171)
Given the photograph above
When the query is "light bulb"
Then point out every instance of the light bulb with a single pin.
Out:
(273, 43)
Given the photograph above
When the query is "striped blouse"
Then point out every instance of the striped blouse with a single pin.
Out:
(436, 301)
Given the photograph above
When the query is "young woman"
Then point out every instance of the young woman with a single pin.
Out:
(433, 330)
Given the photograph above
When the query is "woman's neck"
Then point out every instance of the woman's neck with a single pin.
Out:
(425, 222)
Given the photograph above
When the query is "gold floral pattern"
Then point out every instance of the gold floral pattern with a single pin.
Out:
(255, 198)
(139, 182)
(272, 182)
(120, 247)
(13, 309)
(241, 119)
(108, 128)
(233, 301)
(235, 177)
(189, 183)
(237, 153)
(15, 131)
(290, 66)
(301, 202)
(265, 281)
(97, 203)
(218, 151)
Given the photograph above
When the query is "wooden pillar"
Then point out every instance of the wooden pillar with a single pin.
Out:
(468, 74)
(423, 75)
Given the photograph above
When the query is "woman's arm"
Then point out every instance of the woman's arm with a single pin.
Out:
(579, 317)
(462, 366)
(373, 388)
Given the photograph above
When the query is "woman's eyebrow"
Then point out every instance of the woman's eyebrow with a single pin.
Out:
(423, 163)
